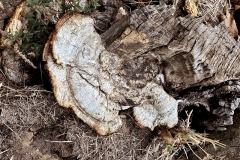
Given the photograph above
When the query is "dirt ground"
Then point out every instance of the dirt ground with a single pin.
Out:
(34, 126)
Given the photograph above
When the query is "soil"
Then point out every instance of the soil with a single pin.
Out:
(33, 126)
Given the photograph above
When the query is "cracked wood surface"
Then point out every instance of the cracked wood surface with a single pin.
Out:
(190, 52)
(157, 48)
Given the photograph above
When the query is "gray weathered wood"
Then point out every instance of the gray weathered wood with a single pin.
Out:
(157, 48)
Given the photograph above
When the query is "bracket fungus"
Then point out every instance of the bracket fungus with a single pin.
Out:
(97, 84)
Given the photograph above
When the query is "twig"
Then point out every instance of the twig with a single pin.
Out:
(1, 6)
(41, 73)
(193, 152)
(16, 50)
(33, 90)
(141, 2)
(131, 150)
(12, 157)
(4, 151)
(85, 157)
(188, 118)
(185, 152)
(12, 89)
(58, 141)
(12, 130)
(146, 155)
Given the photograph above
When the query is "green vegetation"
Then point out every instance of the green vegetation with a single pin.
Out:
(76, 6)
(37, 20)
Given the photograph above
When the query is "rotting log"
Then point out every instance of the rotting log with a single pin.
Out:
(97, 77)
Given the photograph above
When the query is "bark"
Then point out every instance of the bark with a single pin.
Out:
(107, 16)
(190, 52)
(214, 106)
(157, 48)
(7, 10)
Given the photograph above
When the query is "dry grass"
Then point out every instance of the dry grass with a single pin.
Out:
(34, 111)
(27, 106)
(184, 139)
(211, 9)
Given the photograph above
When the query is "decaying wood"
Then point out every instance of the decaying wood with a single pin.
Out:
(157, 48)
(13, 66)
(230, 137)
(219, 103)
(191, 53)
(96, 84)
(115, 31)
(14, 26)
(6, 10)
(106, 17)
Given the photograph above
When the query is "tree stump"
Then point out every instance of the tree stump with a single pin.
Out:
(129, 66)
